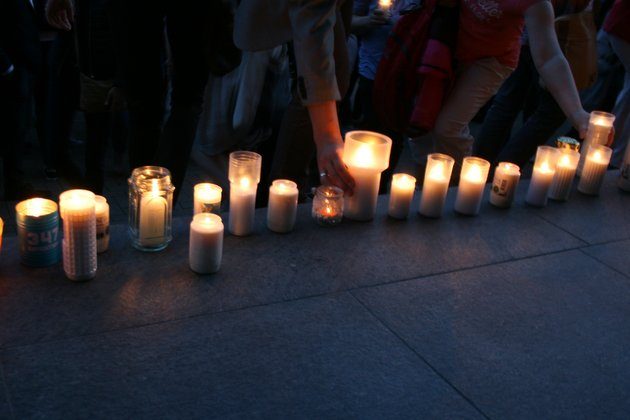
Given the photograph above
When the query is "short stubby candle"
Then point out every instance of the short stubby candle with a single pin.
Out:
(437, 177)
(78, 212)
(102, 224)
(366, 154)
(600, 126)
(282, 207)
(328, 204)
(207, 198)
(206, 243)
(39, 239)
(504, 183)
(401, 195)
(472, 183)
(565, 173)
(624, 175)
(542, 177)
(594, 170)
(244, 175)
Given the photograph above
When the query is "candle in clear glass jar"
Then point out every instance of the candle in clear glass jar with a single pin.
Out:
(594, 170)
(565, 173)
(207, 198)
(504, 183)
(401, 195)
(367, 155)
(282, 207)
(327, 207)
(39, 240)
(78, 212)
(206, 243)
(472, 182)
(624, 175)
(244, 175)
(437, 177)
(102, 224)
(600, 126)
(542, 177)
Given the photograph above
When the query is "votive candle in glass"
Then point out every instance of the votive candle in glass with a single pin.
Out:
(102, 224)
(206, 243)
(472, 183)
(282, 207)
(78, 212)
(401, 195)
(328, 205)
(594, 170)
(366, 154)
(542, 177)
(207, 198)
(39, 240)
(560, 188)
(244, 175)
(437, 177)
(624, 175)
(600, 126)
(504, 183)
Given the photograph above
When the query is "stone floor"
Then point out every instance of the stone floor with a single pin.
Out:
(519, 313)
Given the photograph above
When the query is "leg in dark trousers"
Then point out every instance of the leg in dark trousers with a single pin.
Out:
(98, 128)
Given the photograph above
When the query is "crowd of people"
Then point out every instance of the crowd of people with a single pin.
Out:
(285, 77)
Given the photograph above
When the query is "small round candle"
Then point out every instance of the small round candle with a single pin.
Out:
(401, 195)
(472, 183)
(437, 177)
(78, 211)
(39, 239)
(504, 183)
(206, 243)
(594, 170)
(282, 207)
(542, 177)
(102, 224)
(560, 188)
(207, 198)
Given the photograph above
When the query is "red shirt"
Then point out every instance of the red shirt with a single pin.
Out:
(491, 28)
(618, 20)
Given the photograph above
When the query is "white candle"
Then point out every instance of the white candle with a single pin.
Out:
(242, 207)
(594, 171)
(282, 207)
(207, 198)
(472, 182)
(1, 231)
(564, 175)
(542, 177)
(206, 243)
(600, 126)
(77, 208)
(401, 195)
(506, 177)
(102, 224)
(624, 176)
(437, 176)
(153, 213)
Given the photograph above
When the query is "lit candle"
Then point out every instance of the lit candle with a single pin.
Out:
(542, 177)
(38, 232)
(624, 176)
(600, 126)
(400, 195)
(594, 170)
(207, 198)
(78, 211)
(153, 213)
(437, 176)
(385, 6)
(1, 232)
(506, 177)
(282, 207)
(102, 224)
(327, 207)
(367, 155)
(472, 182)
(206, 243)
(564, 175)
(244, 175)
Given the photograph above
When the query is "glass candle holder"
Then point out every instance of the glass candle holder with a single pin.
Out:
(504, 183)
(282, 207)
(244, 175)
(437, 177)
(401, 195)
(560, 188)
(600, 125)
(472, 183)
(624, 175)
(39, 240)
(102, 224)
(594, 170)
(150, 208)
(328, 205)
(367, 155)
(207, 198)
(78, 212)
(542, 176)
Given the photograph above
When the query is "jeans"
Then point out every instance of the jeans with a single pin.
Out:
(99, 127)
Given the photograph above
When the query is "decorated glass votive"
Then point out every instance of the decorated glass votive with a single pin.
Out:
(39, 240)
(207, 198)
(560, 188)
(150, 208)
(78, 212)
(244, 175)
(328, 205)
(542, 176)
(437, 177)
(600, 126)
(594, 170)
(472, 183)
(102, 223)
(504, 183)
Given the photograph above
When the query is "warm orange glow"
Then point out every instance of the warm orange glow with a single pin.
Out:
(36, 207)
(565, 161)
(404, 182)
(474, 174)
(245, 182)
(384, 4)
(208, 193)
(437, 172)
(363, 157)
(328, 210)
(545, 168)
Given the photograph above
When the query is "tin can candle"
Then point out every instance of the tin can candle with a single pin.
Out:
(594, 171)
(207, 198)
(564, 175)
(102, 224)
(39, 240)
(504, 183)
(328, 205)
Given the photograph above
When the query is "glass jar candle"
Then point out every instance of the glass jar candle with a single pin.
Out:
(542, 175)
(594, 170)
(600, 125)
(328, 205)
(437, 177)
(472, 182)
(207, 198)
(39, 240)
(244, 175)
(150, 208)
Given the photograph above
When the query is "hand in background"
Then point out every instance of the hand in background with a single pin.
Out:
(60, 14)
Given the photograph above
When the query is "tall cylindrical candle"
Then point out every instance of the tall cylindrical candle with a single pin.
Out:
(437, 176)
(207, 198)
(102, 224)
(594, 170)
(401, 195)
(38, 232)
(564, 175)
(244, 175)
(1, 232)
(471, 185)
(206, 243)
(542, 177)
(624, 176)
(600, 126)
(77, 209)
(282, 207)
(506, 177)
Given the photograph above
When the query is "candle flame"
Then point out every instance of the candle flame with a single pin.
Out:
(385, 4)
(35, 207)
(328, 210)
(597, 155)
(208, 192)
(405, 181)
(565, 161)
(363, 157)
(437, 172)
(155, 187)
(474, 174)
(545, 168)
(244, 182)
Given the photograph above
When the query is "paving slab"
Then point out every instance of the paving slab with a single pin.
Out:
(614, 254)
(313, 358)
(545, 337)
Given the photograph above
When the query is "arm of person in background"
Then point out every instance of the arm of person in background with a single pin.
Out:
(60, 14)
(363, 19)
(312, 24)
(551, 64)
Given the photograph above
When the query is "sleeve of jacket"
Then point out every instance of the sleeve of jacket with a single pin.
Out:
(312, 24)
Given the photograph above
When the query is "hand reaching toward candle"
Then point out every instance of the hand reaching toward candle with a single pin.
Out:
(60, 14)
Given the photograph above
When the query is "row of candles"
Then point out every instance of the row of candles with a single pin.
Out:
(85, 216)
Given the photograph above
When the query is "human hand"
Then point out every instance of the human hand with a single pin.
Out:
(579, 120)
(378, 18)
(332, 170)
(60, 14)
(116, 101)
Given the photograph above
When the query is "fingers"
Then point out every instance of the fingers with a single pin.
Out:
(336, 174)
(342, 172)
